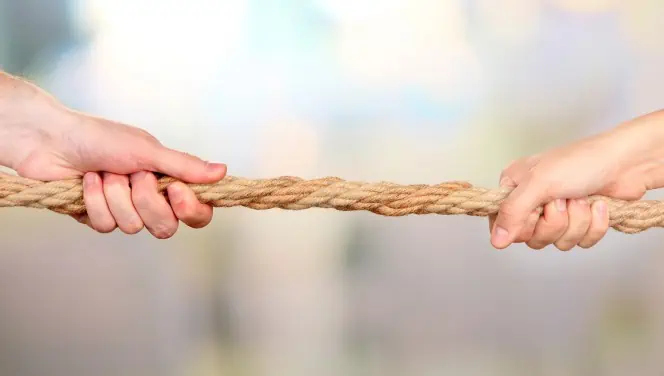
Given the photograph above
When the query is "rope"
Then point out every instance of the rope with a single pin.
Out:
(291, 193)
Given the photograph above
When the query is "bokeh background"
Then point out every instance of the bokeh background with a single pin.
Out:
(410, 91)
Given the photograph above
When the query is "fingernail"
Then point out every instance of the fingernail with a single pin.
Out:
(175, 194)
(582, 201)
(601, 209)
(506, 182)
(561, 205)
(215, 168)
(500, 236)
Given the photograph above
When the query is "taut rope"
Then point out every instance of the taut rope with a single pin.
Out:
(291, 193)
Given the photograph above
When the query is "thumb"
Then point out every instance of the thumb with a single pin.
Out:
(514, 213)
(186, 167)
(505, 182)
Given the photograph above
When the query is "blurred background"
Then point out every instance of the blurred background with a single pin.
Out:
(410, 91)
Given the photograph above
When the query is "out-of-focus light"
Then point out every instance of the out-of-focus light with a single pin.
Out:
(585, 5)
(641, 22)
(166, 46)
(352, 11)
(420, 44)
(288, 146)
(512, 22)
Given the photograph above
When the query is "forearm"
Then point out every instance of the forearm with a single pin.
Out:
(9, 131)
(19, 133)
(5, 144)
(640, 142)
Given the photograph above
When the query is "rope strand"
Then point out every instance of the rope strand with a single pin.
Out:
(292, 193)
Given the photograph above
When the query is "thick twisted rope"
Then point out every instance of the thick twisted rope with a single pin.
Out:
(291, 193)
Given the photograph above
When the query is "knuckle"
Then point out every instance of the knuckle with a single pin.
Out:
(523, 238)
(540, 241)
(513, 171)
(199, 224)
(162, 234)
(146, 135)
(132, 228)
(555, 230)
(201, 220)
(104, 227)
(592, 238)
(506, 179)
(564, 246)
(185, 211)
(536, 245)
(547, 235)
(164, 231)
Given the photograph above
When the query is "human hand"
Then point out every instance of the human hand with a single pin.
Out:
(623, 163)
(41, 139)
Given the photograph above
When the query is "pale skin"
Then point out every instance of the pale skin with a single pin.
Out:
(42, 139)
(623, 163)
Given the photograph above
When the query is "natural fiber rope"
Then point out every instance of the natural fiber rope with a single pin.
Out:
(388, 199)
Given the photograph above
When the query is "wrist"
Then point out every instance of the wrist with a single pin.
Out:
(19, 132)
(16, 144)
(642, 142)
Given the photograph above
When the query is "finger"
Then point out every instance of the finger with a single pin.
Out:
(514, 212)
(529, 228)
(599, 225)
(579, 222)
(186, 206)
(187, 167)
(505, 182)
(626, 192)
(118, 197)
(518, 170)
(152, 207)
(551, 226)
(82, 219)
(100, 216)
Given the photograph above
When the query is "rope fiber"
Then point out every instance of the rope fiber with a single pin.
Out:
(292, 193)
